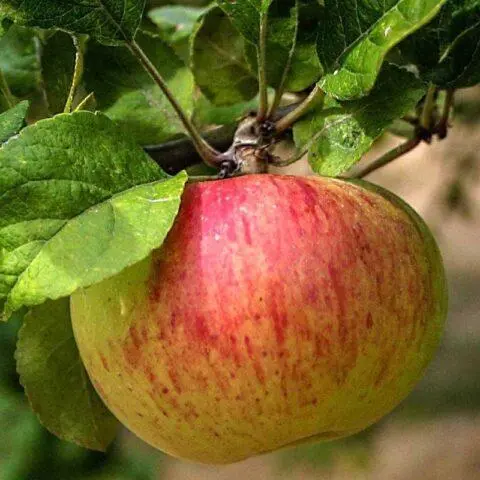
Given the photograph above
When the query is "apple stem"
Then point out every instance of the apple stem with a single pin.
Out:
(176, 155)
(390, 156)
(315, 99)
(208, 154)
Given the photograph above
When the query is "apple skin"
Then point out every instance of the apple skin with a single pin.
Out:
(279, 310)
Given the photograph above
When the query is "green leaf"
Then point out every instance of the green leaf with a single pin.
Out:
(55, 380)
(292, 61)
(305, 68)
(12, 121)
(218, 61)
(176, 22)
(58, 65)
(447, 50)
(337, 136)
(109, 21)
(245, 15)
(77, 199)
(282, 31)
(20, 60)
(355, 37)
(127, 94)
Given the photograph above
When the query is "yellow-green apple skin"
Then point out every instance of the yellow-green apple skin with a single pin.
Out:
(279, 310)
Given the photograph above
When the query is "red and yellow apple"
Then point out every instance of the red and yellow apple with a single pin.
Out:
(279, 310)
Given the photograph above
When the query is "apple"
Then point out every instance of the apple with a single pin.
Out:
(280, 310)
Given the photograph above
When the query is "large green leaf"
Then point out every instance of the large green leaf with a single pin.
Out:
(218, 61)
(337, 136)
(127, 94)
(447, 50)
(77, 199)
(109, 21)
(55, 380)
(12, 121)
(20, 60)
(355, 37)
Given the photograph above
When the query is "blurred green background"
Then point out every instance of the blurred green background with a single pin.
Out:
(433, 435)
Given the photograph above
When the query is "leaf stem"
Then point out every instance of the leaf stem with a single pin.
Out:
(79, 44)
(262, 69)
(390, 156)
(209, 155)
(426, 117)
(316, 97)
(277, 99)
(176, 155)
(84, 103)
(5, 89)
(443, 124)
(281, 88)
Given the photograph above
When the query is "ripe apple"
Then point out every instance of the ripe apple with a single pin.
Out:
(279, 310)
